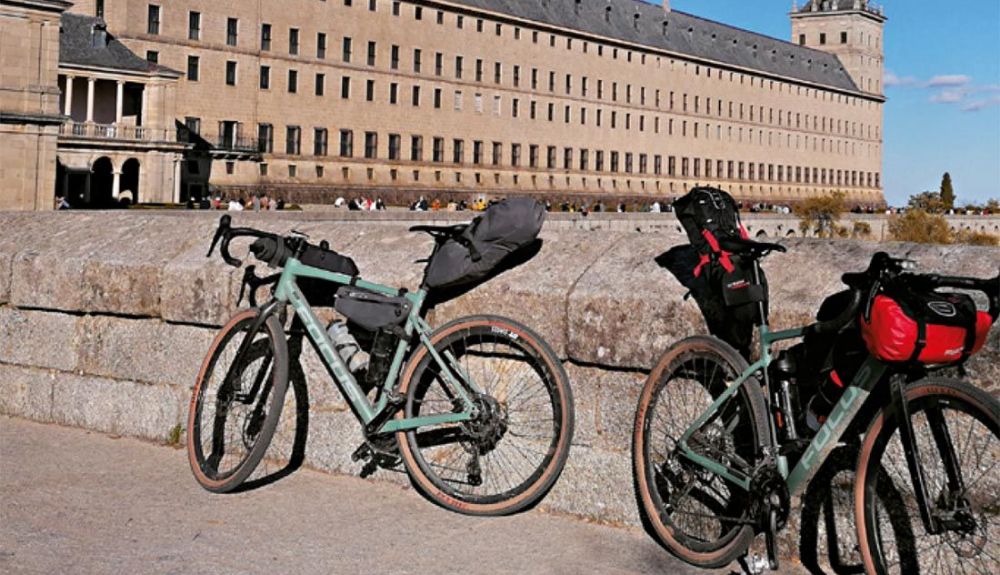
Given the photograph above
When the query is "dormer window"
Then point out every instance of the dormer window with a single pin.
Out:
(99, 36)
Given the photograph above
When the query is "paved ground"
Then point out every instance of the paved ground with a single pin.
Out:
(73, 501)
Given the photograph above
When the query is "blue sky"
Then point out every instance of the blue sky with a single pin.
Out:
(943, 84)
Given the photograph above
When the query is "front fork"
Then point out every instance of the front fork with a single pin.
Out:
(933, 523)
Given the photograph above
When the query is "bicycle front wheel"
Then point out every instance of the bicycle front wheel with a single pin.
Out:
(951, 421)
(695, 514)
(508, 457)
(237, 401)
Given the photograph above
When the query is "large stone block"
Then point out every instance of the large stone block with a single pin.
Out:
(25, 229)
(535, 292)
(148, 351)
(39, 339)
(27, 392)
(197, 290)
(120, 407)
(625, 310)
(595, 484)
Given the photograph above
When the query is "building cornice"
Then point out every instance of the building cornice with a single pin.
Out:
(34, 119)
(41, 5)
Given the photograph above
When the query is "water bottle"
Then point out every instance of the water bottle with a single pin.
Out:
(827, 396)
(347, 346)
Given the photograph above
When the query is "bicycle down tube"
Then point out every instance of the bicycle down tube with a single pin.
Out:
(287, 291)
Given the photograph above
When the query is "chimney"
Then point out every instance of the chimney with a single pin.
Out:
(666, 6)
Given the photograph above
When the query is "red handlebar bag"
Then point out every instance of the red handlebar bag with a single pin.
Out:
(927, 328)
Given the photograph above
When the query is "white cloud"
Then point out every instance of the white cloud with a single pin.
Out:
(948, 81)
(949, 96)
(892, 80)
(979, 105)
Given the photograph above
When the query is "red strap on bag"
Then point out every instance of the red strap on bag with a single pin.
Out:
(704, 261)
(713, 243)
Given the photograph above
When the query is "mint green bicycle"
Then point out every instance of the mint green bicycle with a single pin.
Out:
(479, 412)
(718, 454)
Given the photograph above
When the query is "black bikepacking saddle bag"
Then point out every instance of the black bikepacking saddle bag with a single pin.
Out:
(372, 311)
(503, 229)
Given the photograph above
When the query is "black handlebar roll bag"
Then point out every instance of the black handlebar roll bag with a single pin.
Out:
(503, 229)
(318, 292)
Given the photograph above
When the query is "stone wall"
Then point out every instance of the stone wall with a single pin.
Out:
(104, 320)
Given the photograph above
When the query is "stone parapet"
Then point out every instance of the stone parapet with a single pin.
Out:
(105, 317)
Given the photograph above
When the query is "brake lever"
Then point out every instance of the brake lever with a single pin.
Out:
(248, 276)
(222, 230)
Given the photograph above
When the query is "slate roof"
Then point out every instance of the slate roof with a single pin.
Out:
(840, 6)
(680, 33)
(76, 46)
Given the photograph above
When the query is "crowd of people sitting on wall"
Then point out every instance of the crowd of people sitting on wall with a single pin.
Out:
(256, 203)
(361, 204)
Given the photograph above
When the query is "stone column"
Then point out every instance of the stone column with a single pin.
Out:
(145, 105)
(177, 180)
(68, 109)
(91, 82)
(116, 183)
(120, 102)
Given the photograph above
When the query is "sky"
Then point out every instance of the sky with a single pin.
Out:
(942, 81)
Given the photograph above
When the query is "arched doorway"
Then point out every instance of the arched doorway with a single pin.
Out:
(101, 181)
(129, 184)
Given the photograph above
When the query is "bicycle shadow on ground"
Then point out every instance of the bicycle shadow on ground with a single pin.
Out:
(288, 447)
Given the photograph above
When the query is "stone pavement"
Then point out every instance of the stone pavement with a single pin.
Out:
(73, 501)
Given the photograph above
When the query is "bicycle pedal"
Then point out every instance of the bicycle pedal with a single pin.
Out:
(364, 451)
(369, 469)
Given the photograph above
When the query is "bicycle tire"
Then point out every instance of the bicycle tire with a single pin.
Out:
(255, 431)
(733, 543)
(960, 397)
(427, 470)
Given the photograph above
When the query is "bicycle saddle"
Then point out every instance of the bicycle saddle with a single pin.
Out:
(441, 231)
(750, 247)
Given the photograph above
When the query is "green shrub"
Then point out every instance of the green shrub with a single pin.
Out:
(921, 227)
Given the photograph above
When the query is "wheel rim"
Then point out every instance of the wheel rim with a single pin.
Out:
(899, 541)
(504, 451)
(689, 502)
(229, 418)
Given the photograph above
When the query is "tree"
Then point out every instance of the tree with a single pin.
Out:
(929, 202)
(947, 192)
(920, 226)
(821, 214)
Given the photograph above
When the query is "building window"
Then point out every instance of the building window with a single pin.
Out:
(497, 153)
(458, 100)
(568, 158)
(320, 84)
(843, 37)
(153, 19)
(416, 148)
(395, 8)
(293, 171)
(515, 155)
(438, 63)
(293, 81)
(393, 93)
(293, 140)
(438, 151)
(822, 38)
(477, 152)
(802, 39)
(319, 142)
(479, 70)
(394, 58)
(346, 56)
(371, 53)
(614, 161)
(99, 9)
(230, 73)
(265, 138)
(417, 56)
(551, 158)
(152, 56)
(193, 124)
(437, 98)
(533, 155)
(418, 13)
(458, 67)
(415, 96)
(293, 41)
(194, 25)
(371, 145)
(265, 37)
(321, 45)
(458, 151)
(346, 144)
(193, 68)
(372, 5)
(345, 87)
(497, 73)
(232, 31)
(370, 90)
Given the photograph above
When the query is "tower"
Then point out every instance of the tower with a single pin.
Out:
(849, 29)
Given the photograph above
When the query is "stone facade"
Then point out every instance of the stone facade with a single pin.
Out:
(312, 99)
(29, 102)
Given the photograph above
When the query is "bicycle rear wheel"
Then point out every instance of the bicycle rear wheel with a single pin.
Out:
(892, 534)
(235, 405)
(695, 514)
(507, 458)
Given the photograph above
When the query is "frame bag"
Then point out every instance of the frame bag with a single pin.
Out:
(372, 311)
(504, 228)
(924, 327)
